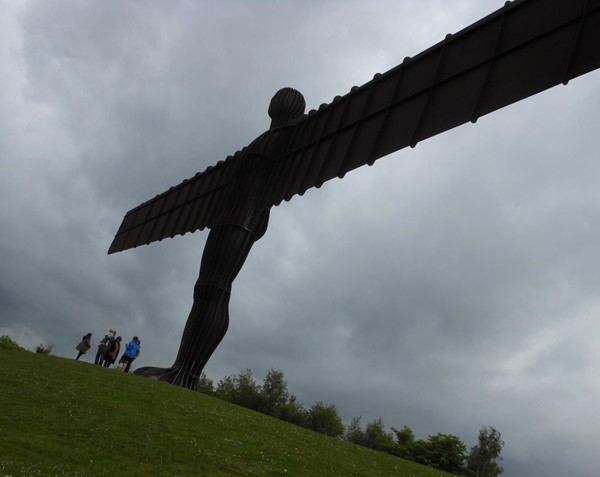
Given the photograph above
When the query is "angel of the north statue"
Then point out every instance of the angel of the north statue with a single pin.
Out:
(525, 47)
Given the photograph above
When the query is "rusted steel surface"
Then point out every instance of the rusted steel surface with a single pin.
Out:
(520, 50)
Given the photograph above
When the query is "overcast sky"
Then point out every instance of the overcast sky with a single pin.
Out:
(449, 286)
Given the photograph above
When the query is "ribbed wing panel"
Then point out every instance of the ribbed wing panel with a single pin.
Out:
(522, 49)
(189, 206)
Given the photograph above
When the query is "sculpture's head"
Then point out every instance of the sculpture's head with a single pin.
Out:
(286, 106)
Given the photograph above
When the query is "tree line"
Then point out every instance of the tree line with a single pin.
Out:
(441, 451)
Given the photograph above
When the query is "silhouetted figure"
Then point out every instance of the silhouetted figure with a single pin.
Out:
(103, 346)
(460, 79)
(111, 354)
(84, 345)
(227, 247)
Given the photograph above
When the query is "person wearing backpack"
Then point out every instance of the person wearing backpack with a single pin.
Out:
(104, 346)
(112, 353)
(132, 351)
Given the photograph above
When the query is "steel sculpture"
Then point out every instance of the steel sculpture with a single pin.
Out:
(520, 50)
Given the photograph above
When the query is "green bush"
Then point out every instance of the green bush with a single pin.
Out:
(8, 344)
(41, 349)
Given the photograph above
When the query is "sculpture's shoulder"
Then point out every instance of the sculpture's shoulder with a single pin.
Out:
(264, 145)
(273, 143)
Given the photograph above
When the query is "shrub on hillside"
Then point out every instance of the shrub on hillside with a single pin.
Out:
(41, 349)
(8, 344)
(205, 385)
(324, 418)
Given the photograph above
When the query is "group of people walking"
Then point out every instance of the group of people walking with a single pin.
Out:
(109, 348)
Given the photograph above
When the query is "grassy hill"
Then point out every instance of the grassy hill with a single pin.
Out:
(61, 417)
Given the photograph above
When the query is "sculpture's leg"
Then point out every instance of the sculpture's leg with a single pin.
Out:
(224, 254)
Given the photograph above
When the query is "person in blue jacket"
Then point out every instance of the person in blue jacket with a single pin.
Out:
(132, 351)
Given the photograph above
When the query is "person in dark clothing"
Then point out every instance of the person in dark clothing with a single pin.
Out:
(84, 345)
(111, 354)
(104, 346)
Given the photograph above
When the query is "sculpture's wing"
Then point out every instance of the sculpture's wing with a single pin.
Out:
(184, 208)
(524, 48)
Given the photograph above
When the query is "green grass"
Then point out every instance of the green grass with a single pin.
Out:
(62, 417)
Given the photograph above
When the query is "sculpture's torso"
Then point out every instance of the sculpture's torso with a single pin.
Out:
(254, 166)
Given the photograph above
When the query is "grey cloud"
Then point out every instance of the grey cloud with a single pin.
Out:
(449, 286)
